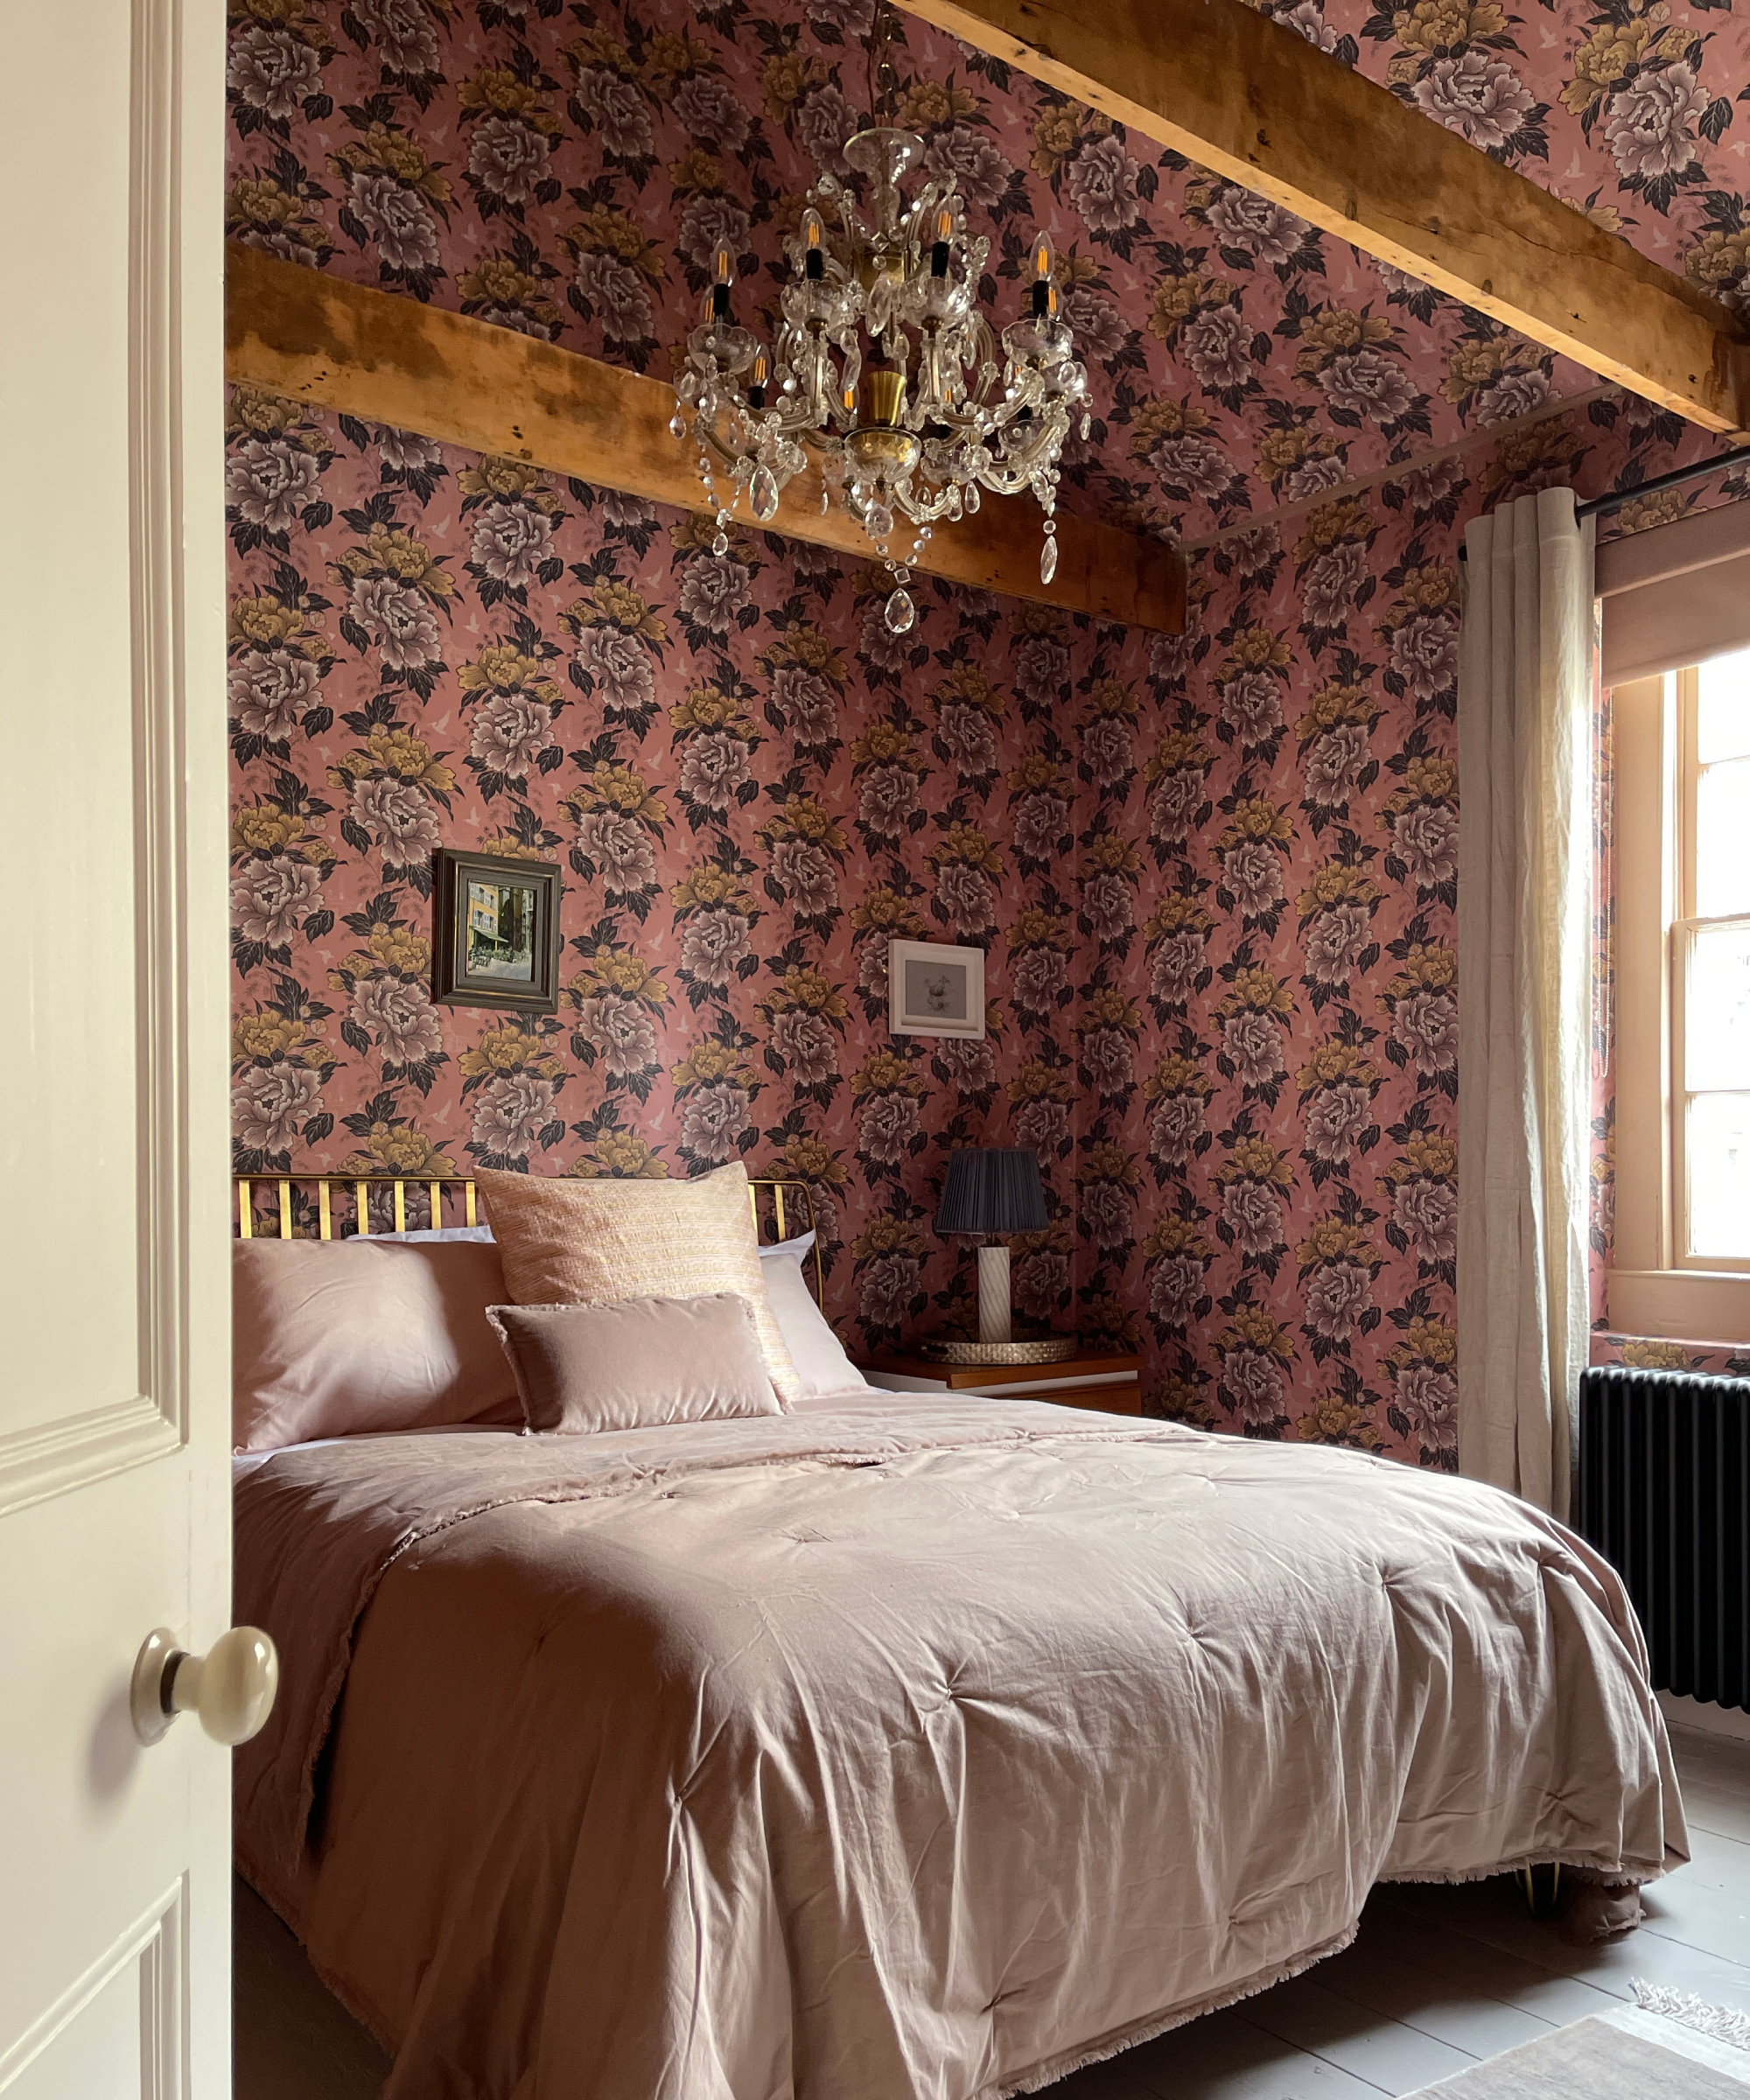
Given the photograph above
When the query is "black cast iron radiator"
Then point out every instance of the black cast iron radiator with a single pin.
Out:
(1664, 1495)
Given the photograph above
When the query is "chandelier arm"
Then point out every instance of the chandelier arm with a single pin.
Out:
(992, 421)
(926, 512)
(1041, 438)
(793, 422)
(706, 433)
(1002, 482)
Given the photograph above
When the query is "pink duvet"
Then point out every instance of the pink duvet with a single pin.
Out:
(896, 1748)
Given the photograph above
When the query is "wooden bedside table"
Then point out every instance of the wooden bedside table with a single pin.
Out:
(1108, 1383)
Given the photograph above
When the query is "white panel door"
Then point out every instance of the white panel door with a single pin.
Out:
(114, 1910)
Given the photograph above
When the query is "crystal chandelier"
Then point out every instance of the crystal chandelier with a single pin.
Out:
(883, 363)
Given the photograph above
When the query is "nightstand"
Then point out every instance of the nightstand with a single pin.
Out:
(1108, 1383)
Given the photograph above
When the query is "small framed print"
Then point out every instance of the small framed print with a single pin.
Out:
(932, 989)
(497, 940)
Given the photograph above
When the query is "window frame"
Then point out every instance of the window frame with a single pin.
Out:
(1654, 1286)
(1686, 804)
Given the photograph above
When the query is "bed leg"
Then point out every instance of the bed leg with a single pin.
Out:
(1541, 1888)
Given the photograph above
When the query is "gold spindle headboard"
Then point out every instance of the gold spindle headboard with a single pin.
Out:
(791, 1208)
(358, 1188)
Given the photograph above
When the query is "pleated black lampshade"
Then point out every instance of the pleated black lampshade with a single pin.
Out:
(991, 1189)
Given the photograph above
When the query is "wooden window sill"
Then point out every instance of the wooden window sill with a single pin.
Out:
(1683, 1305)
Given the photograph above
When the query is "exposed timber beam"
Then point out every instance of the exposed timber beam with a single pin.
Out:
(1249, 99)
(314, 336)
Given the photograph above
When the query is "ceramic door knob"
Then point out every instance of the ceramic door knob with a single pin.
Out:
(231, 1687)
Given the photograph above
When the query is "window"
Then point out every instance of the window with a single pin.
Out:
(1710, 1030)
(1681, 1264)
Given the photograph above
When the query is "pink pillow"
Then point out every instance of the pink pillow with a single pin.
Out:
(636, 1363)
(334, 1338)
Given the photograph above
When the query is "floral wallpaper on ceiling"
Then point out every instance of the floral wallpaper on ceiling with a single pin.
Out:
(568, 170)
(1632, 113)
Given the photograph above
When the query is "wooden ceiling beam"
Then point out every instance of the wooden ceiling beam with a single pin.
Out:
(315, 337)
(1251, 101)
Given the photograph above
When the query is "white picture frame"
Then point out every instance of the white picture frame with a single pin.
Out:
(934, 990)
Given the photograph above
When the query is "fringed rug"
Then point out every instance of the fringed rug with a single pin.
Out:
(1666, 2045)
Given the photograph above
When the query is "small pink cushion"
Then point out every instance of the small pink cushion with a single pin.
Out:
(637, 1362)
(335, 1338)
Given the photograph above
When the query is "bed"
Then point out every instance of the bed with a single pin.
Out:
(896, 1746)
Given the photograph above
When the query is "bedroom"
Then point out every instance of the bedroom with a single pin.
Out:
(1213, 874)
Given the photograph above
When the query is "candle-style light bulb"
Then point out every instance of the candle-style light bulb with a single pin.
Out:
(723, 276)
(814, 245)
(1045, 261)
(944, 233)
(756, 381)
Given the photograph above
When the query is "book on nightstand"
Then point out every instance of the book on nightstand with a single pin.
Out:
(1107, 1382)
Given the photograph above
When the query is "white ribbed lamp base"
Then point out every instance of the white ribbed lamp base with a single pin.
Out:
(994, 1323)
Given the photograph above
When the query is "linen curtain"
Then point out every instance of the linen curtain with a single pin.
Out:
(1526, 662)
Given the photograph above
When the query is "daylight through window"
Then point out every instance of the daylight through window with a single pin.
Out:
(1711, 1006)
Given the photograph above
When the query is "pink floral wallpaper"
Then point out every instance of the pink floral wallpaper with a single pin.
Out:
(1630, 112)
(1652, 1353)
(1214, 874)
(567, 169)
(751, 786)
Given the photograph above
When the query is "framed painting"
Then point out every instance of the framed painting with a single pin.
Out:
(496, 942)
(934, 990)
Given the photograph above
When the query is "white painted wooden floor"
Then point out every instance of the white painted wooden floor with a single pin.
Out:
(1439, 1978)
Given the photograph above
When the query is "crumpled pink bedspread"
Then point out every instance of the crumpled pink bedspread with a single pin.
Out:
(898, 1747)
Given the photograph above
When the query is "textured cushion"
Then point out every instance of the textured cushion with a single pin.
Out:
(479, 1235)
(590, 1242)
(333, 1338)
(818, 1354)
(636, 1363)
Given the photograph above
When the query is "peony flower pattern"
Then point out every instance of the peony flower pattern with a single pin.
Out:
(1214, 874)
(573, 183)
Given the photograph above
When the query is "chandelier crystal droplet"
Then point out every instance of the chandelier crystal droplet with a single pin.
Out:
(883, 365)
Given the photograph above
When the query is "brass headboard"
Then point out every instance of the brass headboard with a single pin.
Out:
(781, 1209)
(360, 1186)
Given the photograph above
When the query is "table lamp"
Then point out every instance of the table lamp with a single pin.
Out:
(993, 1191)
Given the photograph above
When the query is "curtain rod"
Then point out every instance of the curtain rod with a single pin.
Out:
(1676, 478)
(1618, 499)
